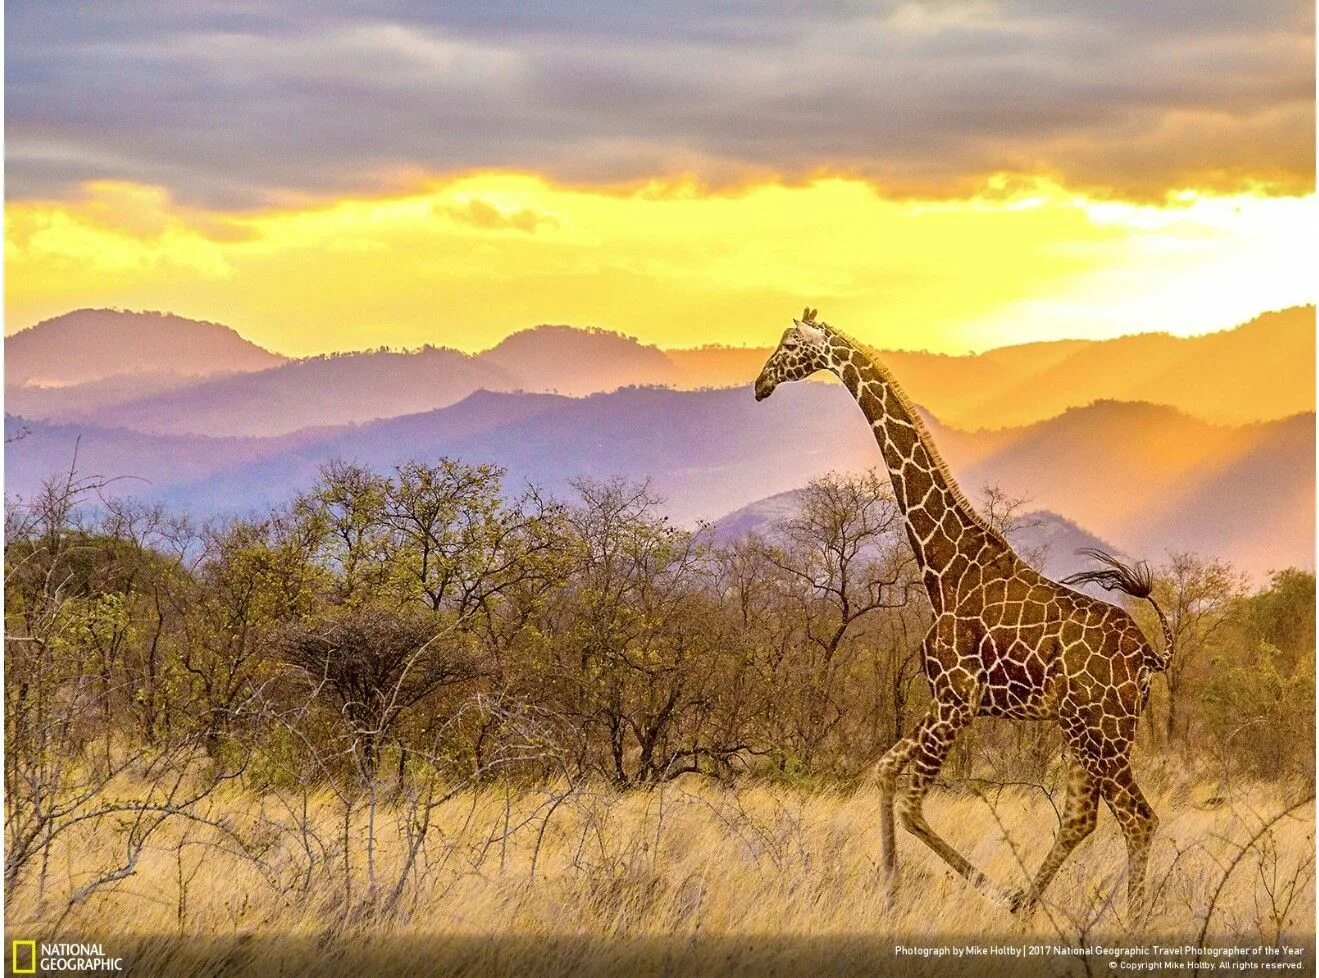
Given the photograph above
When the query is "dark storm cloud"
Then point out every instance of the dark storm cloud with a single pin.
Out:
(233, 103)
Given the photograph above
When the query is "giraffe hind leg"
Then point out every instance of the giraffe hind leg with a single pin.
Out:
(935, 741)
(1080, 815)
(1138, 821)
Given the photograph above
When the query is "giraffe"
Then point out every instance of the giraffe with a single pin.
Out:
(1006, 641)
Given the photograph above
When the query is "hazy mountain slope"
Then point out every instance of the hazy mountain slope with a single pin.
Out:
(351, 388)
(757, 517)
(141, 465)
(1056, 541)
(317, 391)
(719, 366)
(1147, 479)
(1053, 538)
(1106, 462)
(90, 344)
(1153, 479)
(1261, 370)
(90, 397)
(273, 479)
(707, 452)
(568, 360)
(1255, 506)
(1144, 477)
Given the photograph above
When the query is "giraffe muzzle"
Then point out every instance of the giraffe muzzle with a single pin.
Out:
(764, 387)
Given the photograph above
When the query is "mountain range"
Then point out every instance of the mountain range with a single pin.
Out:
(167, 375)
(1135, 468)
(1147, 477)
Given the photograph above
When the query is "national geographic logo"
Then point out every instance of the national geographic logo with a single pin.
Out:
(31, 958)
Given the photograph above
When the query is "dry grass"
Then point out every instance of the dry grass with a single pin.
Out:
(691, 878)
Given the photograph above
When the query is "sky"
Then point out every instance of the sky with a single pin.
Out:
(941, 175)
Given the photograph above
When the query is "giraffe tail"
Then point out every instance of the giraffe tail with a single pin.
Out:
(1136, 580)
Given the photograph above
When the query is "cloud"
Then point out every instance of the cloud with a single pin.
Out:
(235, 104)
(485, 216)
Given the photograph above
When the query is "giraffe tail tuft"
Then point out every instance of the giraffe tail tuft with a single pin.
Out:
(1136, 580)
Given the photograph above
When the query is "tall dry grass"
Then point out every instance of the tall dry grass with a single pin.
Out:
(689, 878)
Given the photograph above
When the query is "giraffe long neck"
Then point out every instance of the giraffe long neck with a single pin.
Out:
(949, 538)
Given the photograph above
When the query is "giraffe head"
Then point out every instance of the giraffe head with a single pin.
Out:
(803, 350)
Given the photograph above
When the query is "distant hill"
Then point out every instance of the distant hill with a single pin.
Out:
(577, 362)
(719, 366)
(1053, 538)
(92, 344)
(1144, 477)
(142, 466)
(1155, 479)
(1058, 541)
(91, 398)
(1263, 369)
(706, 452)
(1254, 504)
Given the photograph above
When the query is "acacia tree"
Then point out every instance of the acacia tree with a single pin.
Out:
(342, 521)
(635, 651)
(1199, 596)
(78, 634)
(425, 571)
(1258, 690)
(253, 578)
(373, 665)
(459, 545)
(839, 561)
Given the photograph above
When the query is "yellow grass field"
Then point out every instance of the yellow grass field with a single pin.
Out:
(692, 878)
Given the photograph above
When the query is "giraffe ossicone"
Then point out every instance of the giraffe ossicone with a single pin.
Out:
(1006, 640)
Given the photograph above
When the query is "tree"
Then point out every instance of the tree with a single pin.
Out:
(1007, 514)
(1199, 595)
(636, 651)
(81, 579)
(374, 665)
(1258, 700)
(839, 561)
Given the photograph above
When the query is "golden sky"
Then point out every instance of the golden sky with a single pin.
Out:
(463, 261)
(930, 174)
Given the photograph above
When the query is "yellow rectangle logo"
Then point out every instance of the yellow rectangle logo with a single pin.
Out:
(15, 967)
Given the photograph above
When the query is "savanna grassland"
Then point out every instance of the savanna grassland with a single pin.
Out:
(411, 723)
(686, 878)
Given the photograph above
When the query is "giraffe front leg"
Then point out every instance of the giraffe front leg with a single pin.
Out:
(934, 743)
(886, 771)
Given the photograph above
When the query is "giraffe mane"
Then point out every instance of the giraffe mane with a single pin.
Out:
(922, 431)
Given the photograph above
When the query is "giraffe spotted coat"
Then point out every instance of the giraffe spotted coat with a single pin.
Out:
(1006, 641)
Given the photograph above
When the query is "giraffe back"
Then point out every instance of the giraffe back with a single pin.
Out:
(1031, 648)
